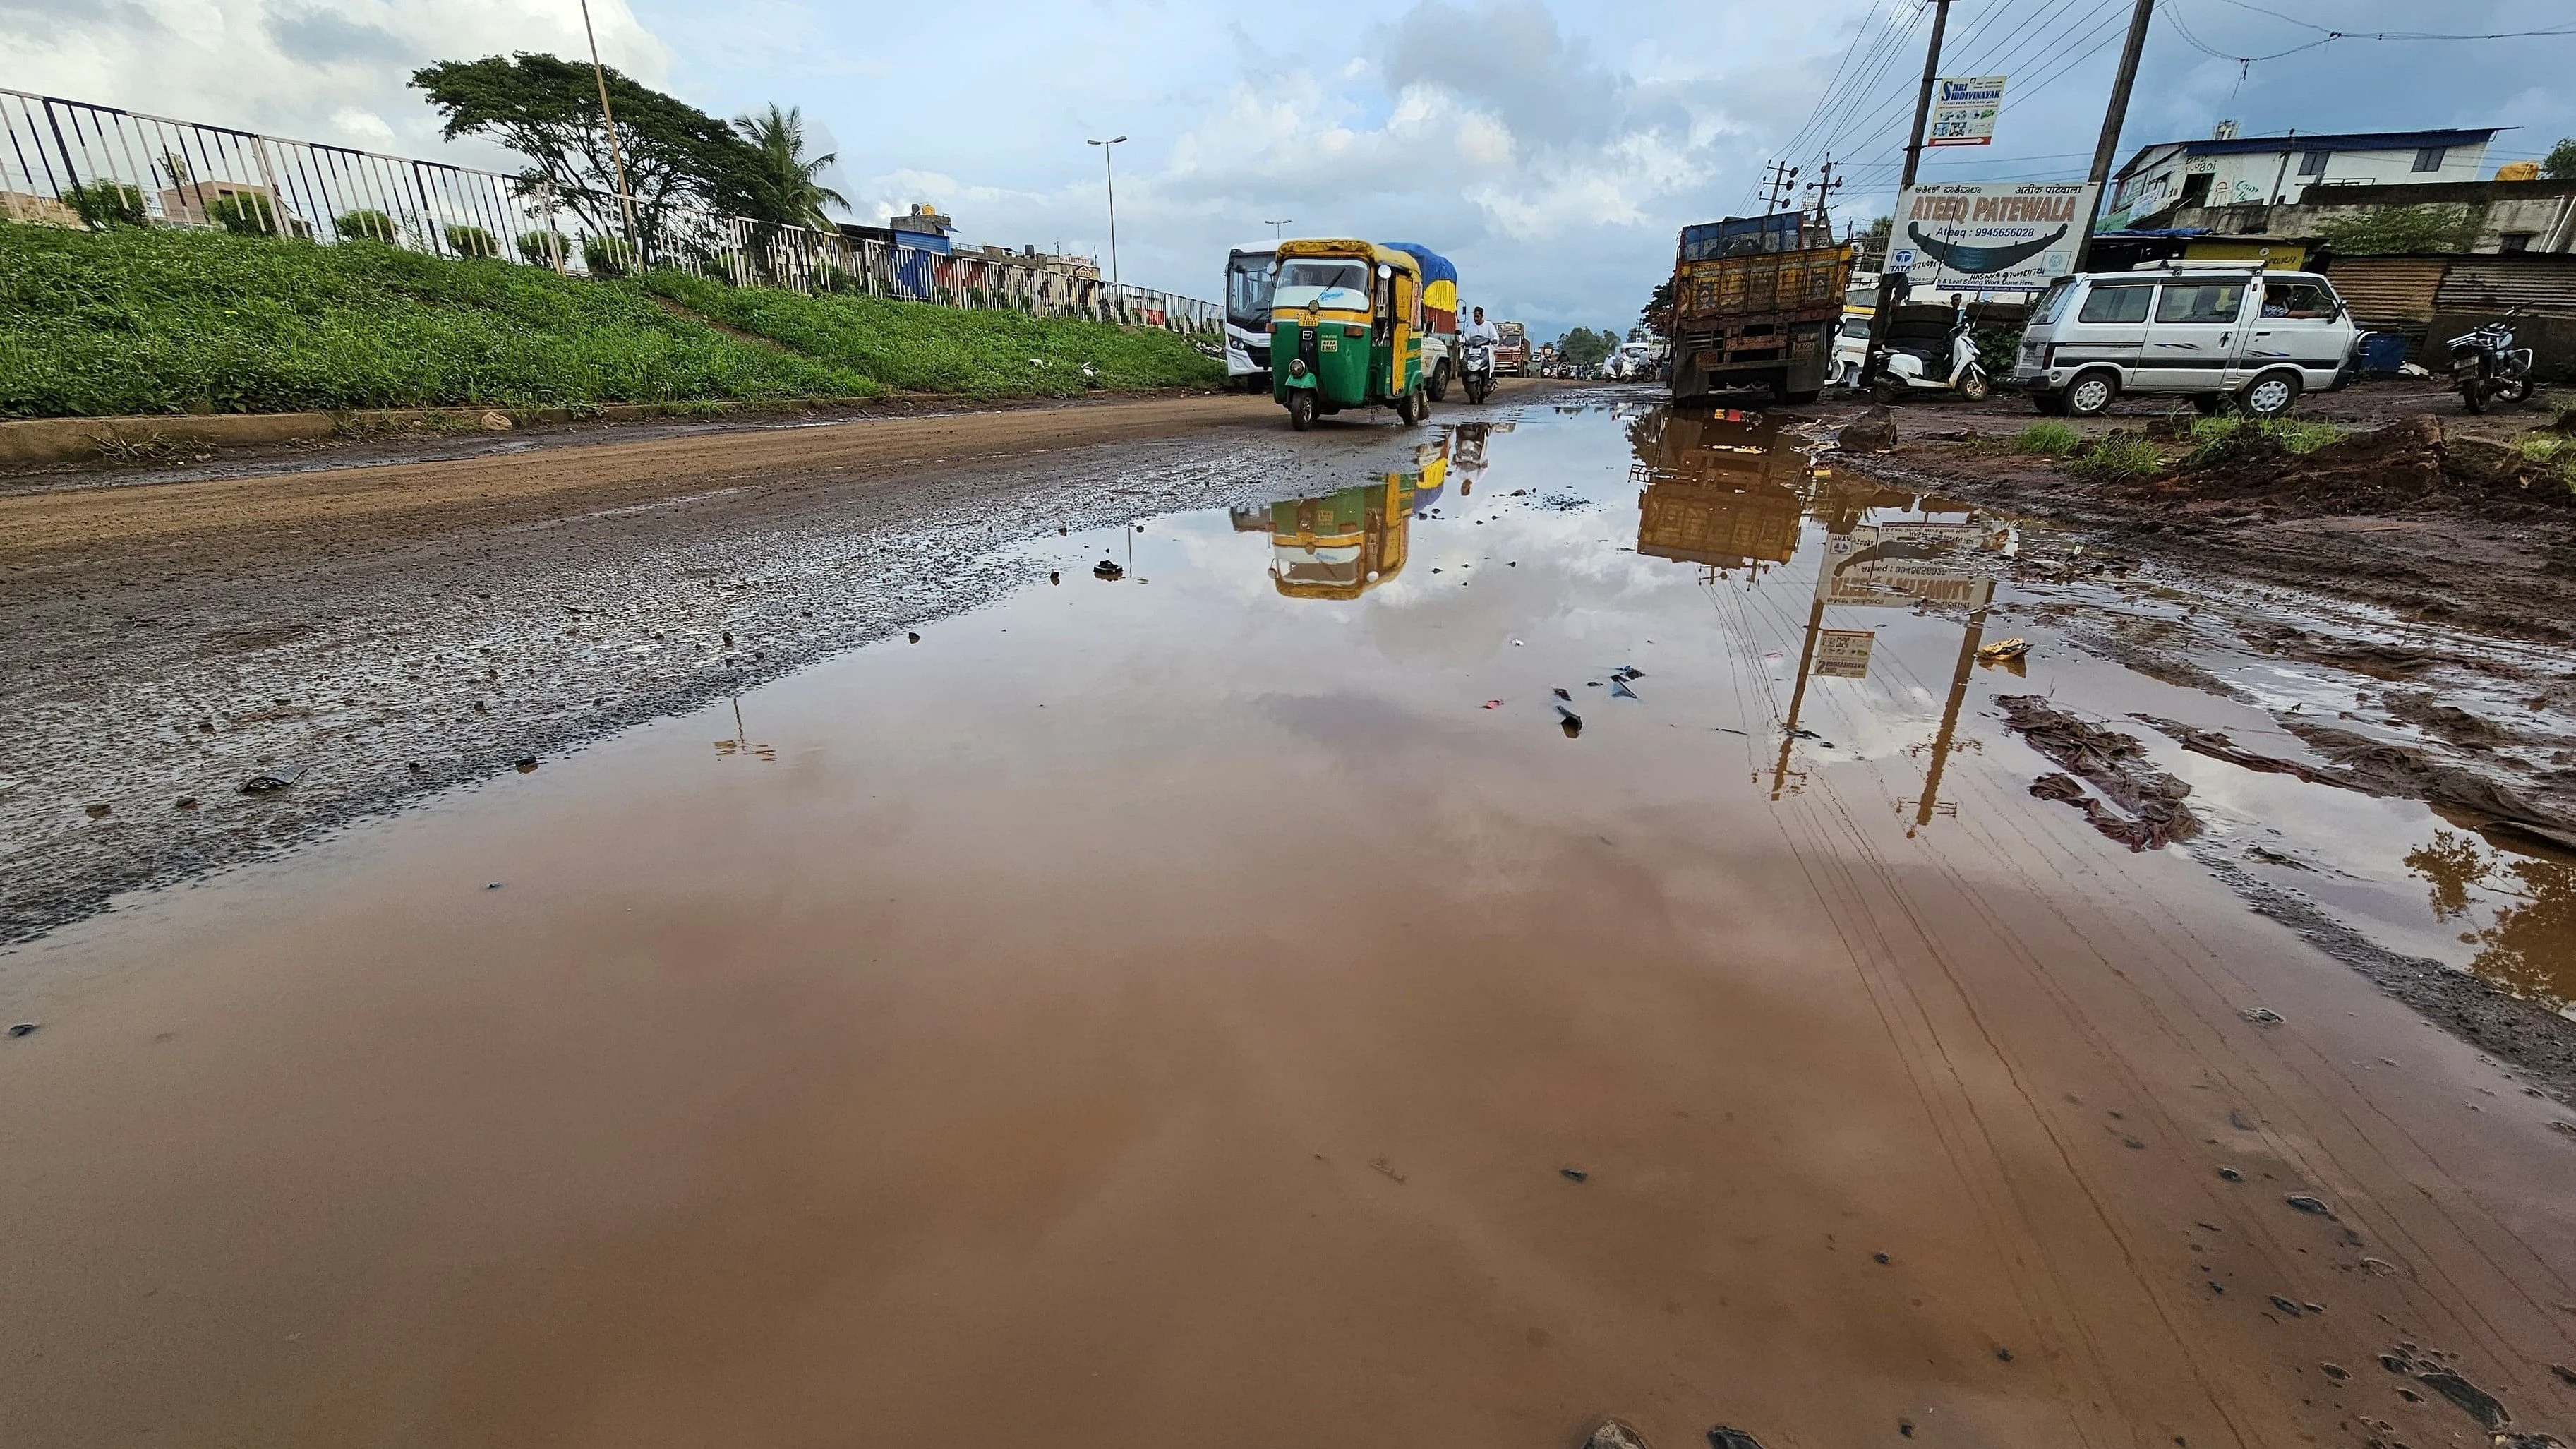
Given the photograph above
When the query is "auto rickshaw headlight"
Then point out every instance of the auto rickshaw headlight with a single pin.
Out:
(1297, 367)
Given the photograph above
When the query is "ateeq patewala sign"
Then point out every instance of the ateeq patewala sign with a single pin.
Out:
(1988, 236)
(1963, 110)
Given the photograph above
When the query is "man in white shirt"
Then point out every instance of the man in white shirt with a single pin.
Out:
(1479, 327)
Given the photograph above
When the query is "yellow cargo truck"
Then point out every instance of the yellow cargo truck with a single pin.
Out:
(1756, 301)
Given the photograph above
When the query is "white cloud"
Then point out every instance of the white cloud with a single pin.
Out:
(312, 70)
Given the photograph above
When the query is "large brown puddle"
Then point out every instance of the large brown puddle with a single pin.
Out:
(1240, 1002)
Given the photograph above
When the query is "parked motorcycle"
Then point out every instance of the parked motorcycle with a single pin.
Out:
(1477, 369)
(1904, 370)
(2486, 366)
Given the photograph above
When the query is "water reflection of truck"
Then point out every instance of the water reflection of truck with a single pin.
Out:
(1722, 490)
(1756, 300)
(1339, 545)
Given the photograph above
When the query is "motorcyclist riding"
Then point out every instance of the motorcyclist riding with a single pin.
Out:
(1477, 341)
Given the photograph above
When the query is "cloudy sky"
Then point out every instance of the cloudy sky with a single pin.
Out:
(1550, 147)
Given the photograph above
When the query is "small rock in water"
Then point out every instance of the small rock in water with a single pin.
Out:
(1880, 1258)
(1572, 1174)
(2003, 1355)
(1723, 1437)
(494, 886)
(2285, 1305)
(2335, 1371)
(2261, 1015)
(524, 763)
(275, 778)
(2231, 1174)
(1107, 570)
(1615, 1435)
(189, 802)
(911, 638)
(2307, 1204)
(24, 1028)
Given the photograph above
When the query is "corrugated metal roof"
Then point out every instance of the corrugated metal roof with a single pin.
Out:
(2388, 292)
(2543, 283)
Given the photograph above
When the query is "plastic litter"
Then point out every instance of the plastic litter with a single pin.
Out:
(2001, 650)
(1493, 704)
(276, 777)
(1619, 690)
(1572, 722)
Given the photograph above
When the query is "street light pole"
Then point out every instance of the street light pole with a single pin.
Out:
(625, 198)
(1110, 174)
(1276, 227)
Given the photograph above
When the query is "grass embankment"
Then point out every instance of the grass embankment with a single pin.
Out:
(149, 321)
(946, 349)
(137, 320)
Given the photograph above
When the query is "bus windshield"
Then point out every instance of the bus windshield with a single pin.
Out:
(1247, 290)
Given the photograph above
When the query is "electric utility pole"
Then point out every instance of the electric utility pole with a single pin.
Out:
(1109, 174)
(1779, 182)
(1892, 285)
(2114, 117)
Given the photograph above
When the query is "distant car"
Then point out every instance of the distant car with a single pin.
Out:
(2220, 333)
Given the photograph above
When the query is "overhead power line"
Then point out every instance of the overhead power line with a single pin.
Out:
(2333, 34)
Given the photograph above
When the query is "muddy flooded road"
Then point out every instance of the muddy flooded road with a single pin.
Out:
(1578, 912)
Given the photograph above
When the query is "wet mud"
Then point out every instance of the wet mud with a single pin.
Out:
(1198, 982)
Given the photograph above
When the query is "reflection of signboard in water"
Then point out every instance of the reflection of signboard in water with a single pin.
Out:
(1897, 565)
(1843, 653)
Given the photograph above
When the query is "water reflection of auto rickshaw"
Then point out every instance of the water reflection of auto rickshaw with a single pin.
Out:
(1344, 543)
(1723, 489)
(1346, 330)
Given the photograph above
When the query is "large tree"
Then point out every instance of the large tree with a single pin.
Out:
(786, 188)
(547, 109)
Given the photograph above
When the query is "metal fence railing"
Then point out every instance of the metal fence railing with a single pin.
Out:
(74, 163)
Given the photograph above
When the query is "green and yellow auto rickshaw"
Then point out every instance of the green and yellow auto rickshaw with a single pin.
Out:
(1346, 330)
(1343, 544)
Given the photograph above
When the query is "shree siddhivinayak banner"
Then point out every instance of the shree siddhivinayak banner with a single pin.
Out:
(1963, 111)
(1988, 235)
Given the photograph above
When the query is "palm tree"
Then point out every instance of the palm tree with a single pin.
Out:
(785, 187)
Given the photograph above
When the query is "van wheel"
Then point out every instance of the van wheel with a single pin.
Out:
(2269, 396)
(2091, 394)
(1301, 409)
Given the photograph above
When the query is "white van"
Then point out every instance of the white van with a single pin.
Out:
(1851, 350)
(2215, 332)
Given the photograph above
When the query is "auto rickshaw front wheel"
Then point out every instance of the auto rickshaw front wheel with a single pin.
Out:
(1413, 407)
(1301, 408)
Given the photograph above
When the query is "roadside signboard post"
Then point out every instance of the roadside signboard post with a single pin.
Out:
(1963, 111)
(1988, 236)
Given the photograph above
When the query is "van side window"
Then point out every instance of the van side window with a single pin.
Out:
(2201, 302)
(2116, 304)
(2296, 299)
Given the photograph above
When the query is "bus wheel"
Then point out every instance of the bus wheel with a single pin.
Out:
(1301, 409)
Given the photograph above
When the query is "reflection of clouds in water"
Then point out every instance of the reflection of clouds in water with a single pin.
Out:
(2528, 944)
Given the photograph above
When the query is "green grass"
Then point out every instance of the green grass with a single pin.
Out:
(2119, 457)
(946, 349)
(136, 320)
(2049, 440)
(2554, 451)
(2214, 438)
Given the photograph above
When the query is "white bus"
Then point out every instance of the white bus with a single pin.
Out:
(1247, 317)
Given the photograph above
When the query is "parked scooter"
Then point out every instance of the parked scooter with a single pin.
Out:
(2486, 366)
(1477, 368)
(1905, 370)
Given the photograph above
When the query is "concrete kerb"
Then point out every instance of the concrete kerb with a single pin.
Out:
(33, 442)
